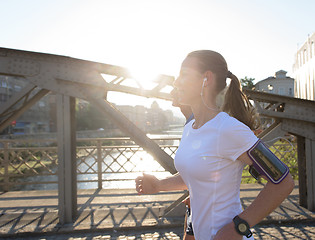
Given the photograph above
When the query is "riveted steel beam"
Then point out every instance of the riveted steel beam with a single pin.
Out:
(28, 102)
(132, 130)
(67, 174)
(55, 73)
(15, 99)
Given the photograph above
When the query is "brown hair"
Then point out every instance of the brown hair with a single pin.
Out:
(235, 103)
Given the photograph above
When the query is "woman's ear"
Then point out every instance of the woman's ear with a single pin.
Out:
(209, 78)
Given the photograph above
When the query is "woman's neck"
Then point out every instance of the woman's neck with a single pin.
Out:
(203, 114)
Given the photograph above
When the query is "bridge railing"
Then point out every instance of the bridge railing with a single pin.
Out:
(101, 162)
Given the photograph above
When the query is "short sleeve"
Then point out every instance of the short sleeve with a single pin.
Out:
(235, 138)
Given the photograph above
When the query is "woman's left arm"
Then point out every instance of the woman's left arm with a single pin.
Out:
(270, 197)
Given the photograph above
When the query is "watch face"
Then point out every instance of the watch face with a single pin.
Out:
(242, 227)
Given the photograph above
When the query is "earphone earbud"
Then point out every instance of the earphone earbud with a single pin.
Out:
(201, 94)
(204, 81)
(203, 84)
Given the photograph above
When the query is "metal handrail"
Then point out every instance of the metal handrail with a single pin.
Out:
(24, 158)
(19, 162)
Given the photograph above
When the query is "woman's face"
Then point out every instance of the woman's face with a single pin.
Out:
(189, 82)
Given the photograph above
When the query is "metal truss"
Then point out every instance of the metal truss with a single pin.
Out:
(75, 78)
(92, 81)
(80, 79)
(295, 116)
(20, 103)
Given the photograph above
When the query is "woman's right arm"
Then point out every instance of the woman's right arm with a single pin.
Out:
(149, 184)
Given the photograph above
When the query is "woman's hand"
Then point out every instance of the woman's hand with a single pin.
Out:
(147, 184)
(228, 232)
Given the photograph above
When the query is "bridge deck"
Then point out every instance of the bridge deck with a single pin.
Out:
(36, 211)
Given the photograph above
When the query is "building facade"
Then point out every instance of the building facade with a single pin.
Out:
(304, 70)
(279, 84)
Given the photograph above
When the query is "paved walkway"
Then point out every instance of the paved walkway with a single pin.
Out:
(122, 214)
(270, 231)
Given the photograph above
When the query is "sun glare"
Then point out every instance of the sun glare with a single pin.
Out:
(143, 75)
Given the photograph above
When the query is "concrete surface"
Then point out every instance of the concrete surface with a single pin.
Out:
(119, 213)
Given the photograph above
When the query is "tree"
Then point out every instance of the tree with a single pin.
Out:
(89, 117)
(247, 83)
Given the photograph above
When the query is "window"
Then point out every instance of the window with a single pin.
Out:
(3, 97)
(4, 84)
(41, 104)
(17, 88)
(304, 56)
(281, 91)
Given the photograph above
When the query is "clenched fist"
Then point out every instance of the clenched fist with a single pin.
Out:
(147, 184)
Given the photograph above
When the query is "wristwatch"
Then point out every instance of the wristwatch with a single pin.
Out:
(242, 227)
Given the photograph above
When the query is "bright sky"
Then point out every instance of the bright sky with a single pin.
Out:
(256, 37)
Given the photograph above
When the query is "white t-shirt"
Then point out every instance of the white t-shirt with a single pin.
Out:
(206, 161)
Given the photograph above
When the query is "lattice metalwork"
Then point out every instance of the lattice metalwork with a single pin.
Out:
(287, 152)
(38, 161)
(83, 154)
(99, 162)
(120, 159)
(29, 162)
(22, 165)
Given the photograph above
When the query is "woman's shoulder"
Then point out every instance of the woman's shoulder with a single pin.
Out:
(230, 122)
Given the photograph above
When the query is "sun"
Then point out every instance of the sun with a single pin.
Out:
(144, 74)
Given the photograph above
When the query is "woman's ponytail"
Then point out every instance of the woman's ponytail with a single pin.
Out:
(237, 104)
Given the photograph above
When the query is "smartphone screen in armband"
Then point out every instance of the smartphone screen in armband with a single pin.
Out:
(266, 163)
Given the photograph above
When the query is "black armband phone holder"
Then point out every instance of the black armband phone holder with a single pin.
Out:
(266, 163)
